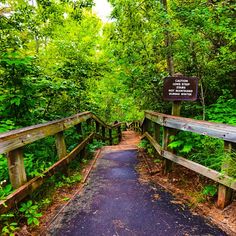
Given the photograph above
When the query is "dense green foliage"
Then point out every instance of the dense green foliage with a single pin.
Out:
(203, 44)
(57, 58)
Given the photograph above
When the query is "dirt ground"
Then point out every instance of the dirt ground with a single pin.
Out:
(187, 187)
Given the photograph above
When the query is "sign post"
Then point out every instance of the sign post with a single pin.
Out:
(176, 89)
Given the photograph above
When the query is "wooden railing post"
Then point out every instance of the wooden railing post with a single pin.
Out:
(139, 126)
(167, 164)
(104, 133)
(157, 132)
(97, 127)
(144, 127)
(110, 136)
(156, 135)
(16, 168)
(60, 145)
(119, 133)
(176, 106)
(225, 194)
(79, 131)
(89, 123)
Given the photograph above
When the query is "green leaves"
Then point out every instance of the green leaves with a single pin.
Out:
(8, 227)
(4, 191)
(187, 148)
(30, 211)
(209, 190)
(224, 110)
(181, 146)
(175, 144)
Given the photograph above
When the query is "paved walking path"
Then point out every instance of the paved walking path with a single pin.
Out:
(115, 203)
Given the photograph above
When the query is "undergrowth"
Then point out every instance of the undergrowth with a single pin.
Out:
(30, 211)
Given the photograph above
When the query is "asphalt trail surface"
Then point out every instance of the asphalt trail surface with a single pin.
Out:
(115, 203)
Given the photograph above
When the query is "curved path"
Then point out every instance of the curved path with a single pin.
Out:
(115, 203)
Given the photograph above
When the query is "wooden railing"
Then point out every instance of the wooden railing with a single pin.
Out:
(12, 143)
(171, 124)
(134, 125)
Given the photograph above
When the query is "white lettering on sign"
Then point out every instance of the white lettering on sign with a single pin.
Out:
(181, 81)
(176, 94)
(180, 88)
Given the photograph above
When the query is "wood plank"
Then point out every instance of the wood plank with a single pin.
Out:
(225, 194)
(167, 164)
(20, 137)
(104, 124)
(157, 132)
(217, 130)
(16, 168)
(60, 145)
(152, 140)
(200, 169)
(14, 198)
(103, 132)
(144, 125)
(97, 127)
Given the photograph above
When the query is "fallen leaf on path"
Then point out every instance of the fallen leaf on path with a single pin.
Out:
(156, 196)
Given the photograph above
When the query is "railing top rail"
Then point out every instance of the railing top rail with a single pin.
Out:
(20, 137)
(38, 126)
(104, 124)
(217, 130)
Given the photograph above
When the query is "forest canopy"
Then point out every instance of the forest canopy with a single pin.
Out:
(57, 58)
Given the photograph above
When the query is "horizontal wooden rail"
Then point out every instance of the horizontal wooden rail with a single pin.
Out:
(12, 144)
(18, 138)
(171, 125)
(105, 125)
(200, 169)
(217, 130)
(26, 189)
(134, 125)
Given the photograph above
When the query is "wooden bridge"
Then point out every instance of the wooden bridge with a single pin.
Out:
(12, 143)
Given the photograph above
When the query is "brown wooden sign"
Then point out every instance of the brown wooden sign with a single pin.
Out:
(180, 88)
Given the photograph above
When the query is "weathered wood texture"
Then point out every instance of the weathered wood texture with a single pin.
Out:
(134, 125)
(20, 137)
(104, 124)
(16, 168)
(225, 194)
(60, 145)
(97, 127)
(200, 169)
(157, 135)
(104, 132)
(217, 130)
(167, 164)
(34, 183)
(13, 141)
(222, 131)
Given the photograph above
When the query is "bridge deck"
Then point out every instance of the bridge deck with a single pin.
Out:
(114, 202)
